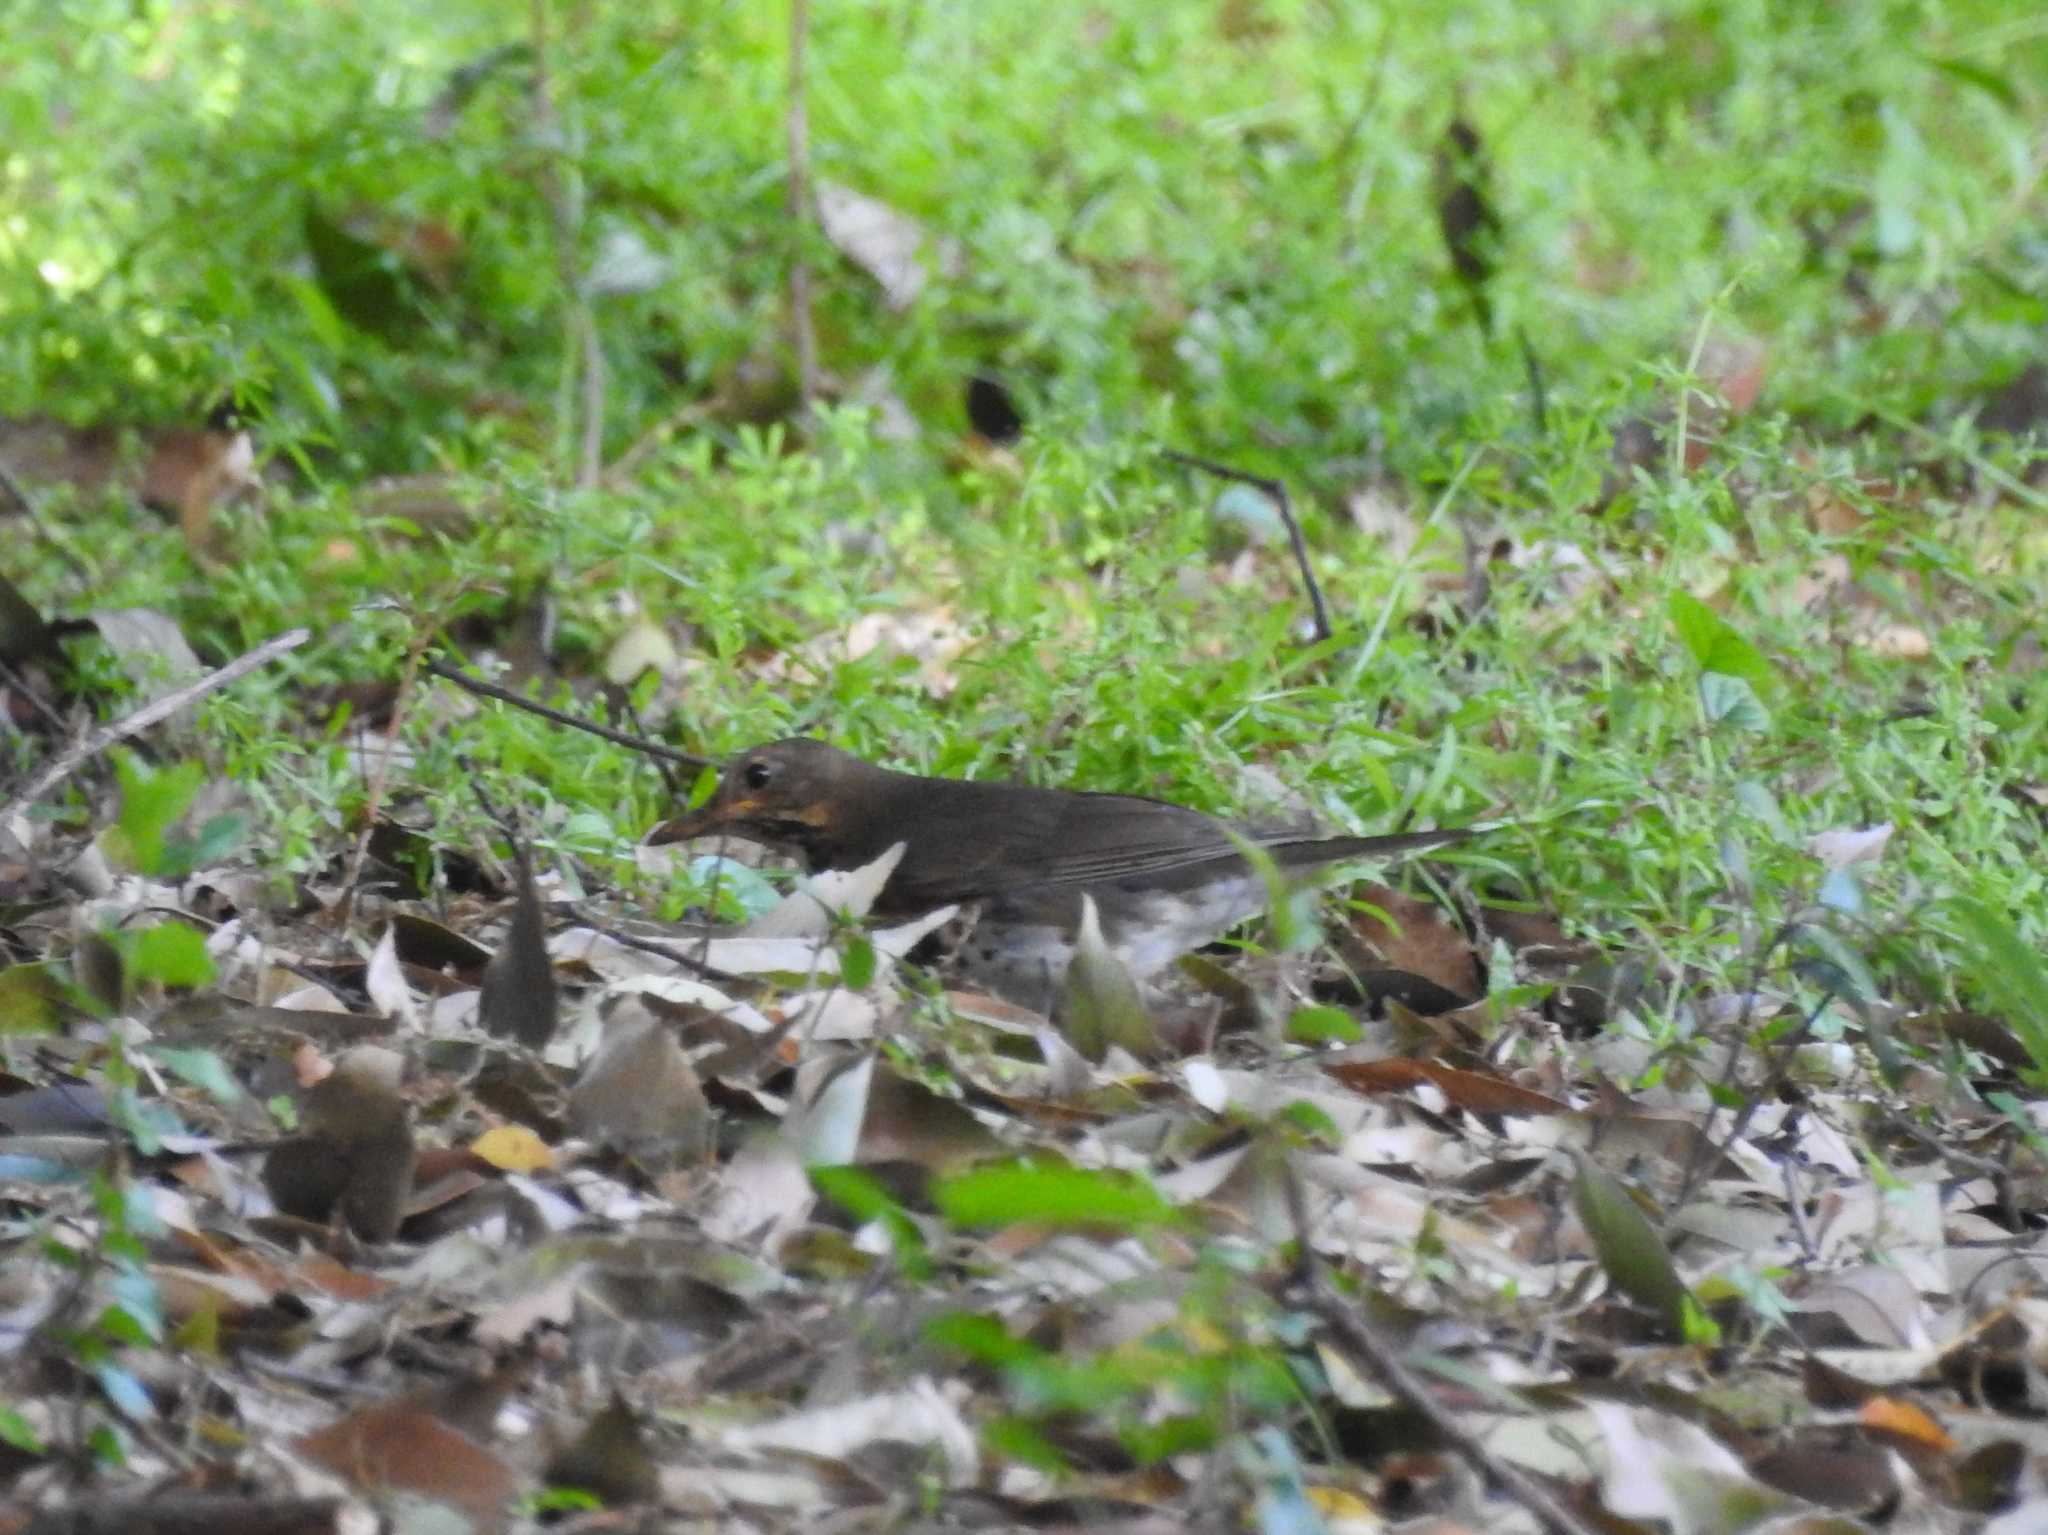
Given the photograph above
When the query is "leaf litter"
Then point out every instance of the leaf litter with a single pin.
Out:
(763, 1225)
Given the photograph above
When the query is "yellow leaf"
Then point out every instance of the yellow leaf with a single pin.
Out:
(513, 1149)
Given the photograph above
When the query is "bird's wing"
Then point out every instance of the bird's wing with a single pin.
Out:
(1066, 841)
(1192, 859)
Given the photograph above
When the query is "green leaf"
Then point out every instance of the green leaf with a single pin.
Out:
(1715, 644)
(981, 1338)
(217, 839)
(1102, 1005)
(1847, 973)
(151, 801)
(1627, 1245)
(1992, 84)
(1050, 1194)
(366, 286)
(16, 1431)
(125, 1392)
(862, 1196)
(203, 1069)
(1761, 803)
(31, 999)
(1320, 1024)
(857, 962)
(1730, 701)
(171, 953)
(1020, 1440)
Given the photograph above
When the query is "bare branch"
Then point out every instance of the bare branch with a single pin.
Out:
(70, 760)
(484, 689)
(1276, 492)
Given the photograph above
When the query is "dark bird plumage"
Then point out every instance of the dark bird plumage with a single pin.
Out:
(1164, 877)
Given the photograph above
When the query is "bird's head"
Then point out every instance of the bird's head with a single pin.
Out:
(795, 794)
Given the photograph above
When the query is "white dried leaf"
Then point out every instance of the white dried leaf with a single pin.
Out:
(386, 982)
(834, 1098)
(1205, 1085)
(626, 264)
(920, 1414)
(152, 650)
(807, 912)
(882, 242)
(1842, 846)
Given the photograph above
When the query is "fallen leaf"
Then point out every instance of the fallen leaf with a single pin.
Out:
(640, 1093)
(1475, 1092)
(1101, 1004)
(518, 1000)
(513, 1149)
(397, 1447)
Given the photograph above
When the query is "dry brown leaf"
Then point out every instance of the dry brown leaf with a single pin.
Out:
(640, 1093)
(1471, 1091)
(398, 1447)
(1416, 937)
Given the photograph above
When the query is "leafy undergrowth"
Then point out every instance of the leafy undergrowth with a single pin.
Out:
(1674, 1145)
(387, 1130)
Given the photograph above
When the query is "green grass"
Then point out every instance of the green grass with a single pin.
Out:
(1203, 226)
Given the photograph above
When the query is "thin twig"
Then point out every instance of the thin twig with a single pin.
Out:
(1738, 1040)
(661, 764)
(1783, 1052)
(483, 689)
(1393, 1374)
(726, 978)
(70, 760)
(1276, 492)
(799, 191)
(590, 467)
(36, 701)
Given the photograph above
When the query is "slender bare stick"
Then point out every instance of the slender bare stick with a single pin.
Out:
(1392, 1372)
(799, 188)
(1276, 492)
(483, 689)
(69, 761)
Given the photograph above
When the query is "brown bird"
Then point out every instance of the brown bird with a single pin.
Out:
(1165, 878)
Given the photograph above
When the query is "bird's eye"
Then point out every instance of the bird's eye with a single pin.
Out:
(758, 774)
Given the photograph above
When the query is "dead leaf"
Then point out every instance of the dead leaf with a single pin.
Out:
(384, 980)
(887, 245)
(609, 1459)
(513, 1149)
(1842, 846)
(1414, 936)
(1895, 1418)
(397, 1447)
(1475, 1092)
(518, 1000)
(640, 1093)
